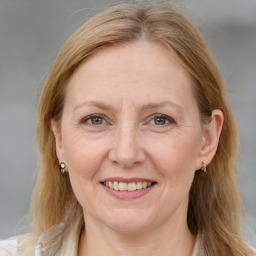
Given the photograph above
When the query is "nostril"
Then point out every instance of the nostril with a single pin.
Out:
(127, 157)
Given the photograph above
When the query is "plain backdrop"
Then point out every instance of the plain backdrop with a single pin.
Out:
(31, 33)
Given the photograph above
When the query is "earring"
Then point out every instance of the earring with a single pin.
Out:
(203, 168)
(62, 167)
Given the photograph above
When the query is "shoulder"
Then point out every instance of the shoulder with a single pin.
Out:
(9, 247)
(20, 245)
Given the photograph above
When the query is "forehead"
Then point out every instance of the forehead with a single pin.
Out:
(143, 70)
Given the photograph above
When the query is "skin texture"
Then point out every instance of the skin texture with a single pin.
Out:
(132, 86)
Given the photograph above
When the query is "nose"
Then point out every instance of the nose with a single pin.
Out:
(127, 150)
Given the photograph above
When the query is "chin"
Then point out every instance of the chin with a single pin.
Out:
(128, 228)
(129, 223)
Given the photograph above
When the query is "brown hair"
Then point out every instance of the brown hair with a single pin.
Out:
(214, 205)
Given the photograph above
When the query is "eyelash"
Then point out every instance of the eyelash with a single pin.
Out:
(153, 118)
(93, 116)
(163, 117)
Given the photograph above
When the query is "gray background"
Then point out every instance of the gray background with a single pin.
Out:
(31, 33)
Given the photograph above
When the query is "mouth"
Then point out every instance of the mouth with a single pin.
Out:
(128, 186)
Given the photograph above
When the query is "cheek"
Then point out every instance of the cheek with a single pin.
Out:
(83, 155)
(84, 158)
(176, 158)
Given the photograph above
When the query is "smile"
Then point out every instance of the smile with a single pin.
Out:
(131, 186)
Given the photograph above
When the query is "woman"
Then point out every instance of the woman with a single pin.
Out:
(138, 144)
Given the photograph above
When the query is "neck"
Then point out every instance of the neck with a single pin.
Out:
(175, 240)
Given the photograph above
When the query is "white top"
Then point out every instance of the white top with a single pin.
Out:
(9, 247)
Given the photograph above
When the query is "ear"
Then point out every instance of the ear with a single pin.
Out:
(58, 140)
(210, 139)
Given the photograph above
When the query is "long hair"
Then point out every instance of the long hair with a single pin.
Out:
(214, 204)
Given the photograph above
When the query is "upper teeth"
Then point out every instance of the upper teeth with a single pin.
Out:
(123, 186)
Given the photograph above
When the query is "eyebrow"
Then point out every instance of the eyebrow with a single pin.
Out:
(93, 103)
(161, 104)
(148, 106)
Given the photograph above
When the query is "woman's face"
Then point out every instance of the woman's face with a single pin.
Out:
(131, 137)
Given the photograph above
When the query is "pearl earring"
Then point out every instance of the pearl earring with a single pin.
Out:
(203, 168)
(62, 167)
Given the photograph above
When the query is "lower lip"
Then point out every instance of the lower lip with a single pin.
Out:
(128, 195)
